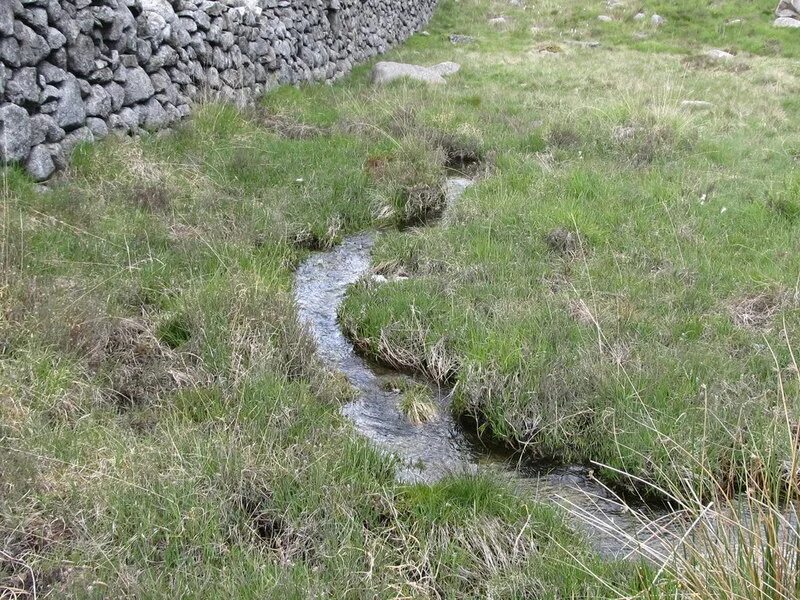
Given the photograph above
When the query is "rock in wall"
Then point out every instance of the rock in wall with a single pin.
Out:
(76, 70)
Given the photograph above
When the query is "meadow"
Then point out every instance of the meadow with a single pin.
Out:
(621, 287)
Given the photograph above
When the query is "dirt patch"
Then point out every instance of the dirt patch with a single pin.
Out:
(422, 204)
(136, 366)
(640, 144)
(564, 243)
(286, 126)
(459, 153)
(462, 155)
(392, 269)
(310, 238)
(24, 545)
(273, 530)
(705, 62)
(564, 138)
(150, 197)
(758, 311)
(580, 311)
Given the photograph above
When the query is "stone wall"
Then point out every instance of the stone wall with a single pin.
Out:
(76, 70)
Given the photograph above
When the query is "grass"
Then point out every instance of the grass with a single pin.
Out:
(621, 286)
(612, 290)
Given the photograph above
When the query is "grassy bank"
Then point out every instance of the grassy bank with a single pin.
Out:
(623, 287)
(166, 429)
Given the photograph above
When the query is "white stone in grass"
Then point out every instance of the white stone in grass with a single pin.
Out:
(787, 22)
(697, 104)
(605, 19)
(385, 72)
(717, 54)
(657, 20)
(639, 16)
(498, 21)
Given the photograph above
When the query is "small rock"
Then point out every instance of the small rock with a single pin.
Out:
(639, 16)
(716, 54)
(45, 129)
(657, 20)
(15, 133)
(605, 19)
(786, 22)
(98, 127)
(384, 72)
(138, 86)
(498, 21)
(461, 39)
(23, 87)
(40, 165)
(697, 104)
(70, 111)
(74, 138)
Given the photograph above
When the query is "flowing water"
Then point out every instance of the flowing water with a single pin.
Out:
(433, 449)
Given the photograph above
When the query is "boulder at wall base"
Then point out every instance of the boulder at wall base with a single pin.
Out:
(40, 165)
(385, 72)
(15, 133)
(787, 22)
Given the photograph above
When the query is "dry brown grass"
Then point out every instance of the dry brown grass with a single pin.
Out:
(758, 311)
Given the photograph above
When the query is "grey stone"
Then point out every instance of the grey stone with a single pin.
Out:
(787, 22)
(657, 20)
(98, 127)
(98, 103)
(45, 129)
(80, 55)
(9, 51)
(788, 8)
(716, 54)
(138, 86)
(37, 18)
(40, 165)
(74, 138)
(55, 39)
(15, 133)
(6, 18)
(117, 95)
(58, 156)
(385, 72)
(155, 117)
(23, 87)
(33, 48)
(127, 119)
(71, 111)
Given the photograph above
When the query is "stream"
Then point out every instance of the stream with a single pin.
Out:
(431, 450)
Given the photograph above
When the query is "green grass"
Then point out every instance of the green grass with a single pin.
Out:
(165, 428)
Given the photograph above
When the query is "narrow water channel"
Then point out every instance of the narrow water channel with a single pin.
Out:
(432, 450)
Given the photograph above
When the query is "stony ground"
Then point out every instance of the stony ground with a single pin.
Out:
(620, 286)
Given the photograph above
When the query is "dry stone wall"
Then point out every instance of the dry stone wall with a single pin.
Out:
(76, 70)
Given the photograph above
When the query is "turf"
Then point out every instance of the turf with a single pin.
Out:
(620, 286)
